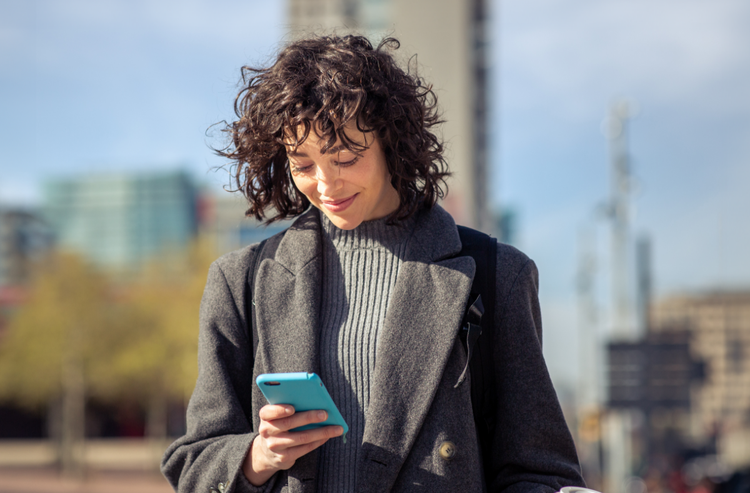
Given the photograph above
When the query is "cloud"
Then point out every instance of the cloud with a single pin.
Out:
(192, 20)
(112, 31)
(664, 51)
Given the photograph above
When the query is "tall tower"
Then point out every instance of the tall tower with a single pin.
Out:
(449, 38)
(623, 303)
(618, 439)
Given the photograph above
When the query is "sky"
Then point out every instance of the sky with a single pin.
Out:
(559, 65)
(104, 86)
(115, 85)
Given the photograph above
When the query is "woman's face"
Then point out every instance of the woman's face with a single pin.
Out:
(348, 187)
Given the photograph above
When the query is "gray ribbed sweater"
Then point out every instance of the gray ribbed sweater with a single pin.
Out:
(359, 271)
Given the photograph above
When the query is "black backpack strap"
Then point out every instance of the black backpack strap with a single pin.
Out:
(479, 320)
(266, 249)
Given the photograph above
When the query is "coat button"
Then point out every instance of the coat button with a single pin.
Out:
(447, 450)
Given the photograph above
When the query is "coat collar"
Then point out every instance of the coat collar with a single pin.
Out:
(435, 237)
(302, 242)
(418, 334)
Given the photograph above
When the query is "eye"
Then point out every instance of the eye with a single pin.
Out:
(299, 167)
(347, 162)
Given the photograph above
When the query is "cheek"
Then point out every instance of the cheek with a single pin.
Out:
(305, 185)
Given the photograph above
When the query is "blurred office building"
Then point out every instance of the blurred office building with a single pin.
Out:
(651, 381)
(719, 328)
(449, 38)
(24, 237)
(222, 220)
(689, 379)
(506, 226)
(120, 221)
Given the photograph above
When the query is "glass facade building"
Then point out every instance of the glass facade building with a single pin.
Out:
(119, 221)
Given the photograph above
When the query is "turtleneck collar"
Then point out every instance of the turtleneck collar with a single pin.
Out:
(371, 235)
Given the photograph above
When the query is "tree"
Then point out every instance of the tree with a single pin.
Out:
(54, 342)
(80, 335)
(156, 358)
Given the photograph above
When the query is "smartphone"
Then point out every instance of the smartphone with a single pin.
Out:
(304, 391)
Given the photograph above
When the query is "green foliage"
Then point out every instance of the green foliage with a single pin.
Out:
(63, 320)
(133, 340)
(159, 353)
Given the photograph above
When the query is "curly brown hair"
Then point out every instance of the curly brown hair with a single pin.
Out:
(321, 84)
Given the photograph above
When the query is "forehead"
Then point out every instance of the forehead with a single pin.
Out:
(354, 139)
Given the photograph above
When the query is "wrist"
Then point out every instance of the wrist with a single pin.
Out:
(256, 469)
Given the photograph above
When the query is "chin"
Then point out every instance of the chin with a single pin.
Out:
(344, 223)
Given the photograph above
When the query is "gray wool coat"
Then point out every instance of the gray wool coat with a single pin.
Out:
(415, 406)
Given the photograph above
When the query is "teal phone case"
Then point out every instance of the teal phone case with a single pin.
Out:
(304, 391)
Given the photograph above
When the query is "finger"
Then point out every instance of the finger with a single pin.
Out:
(283, 443)
(296, 420)
(270, 412)
(287, 459)
(297, 452)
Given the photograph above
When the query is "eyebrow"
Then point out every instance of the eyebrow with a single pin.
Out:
(332, 150)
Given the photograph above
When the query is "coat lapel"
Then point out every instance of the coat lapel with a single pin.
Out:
(419, 332)
(287, 304)
(287, 300)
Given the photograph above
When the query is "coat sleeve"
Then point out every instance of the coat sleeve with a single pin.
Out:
(219, 415)
(533, 450)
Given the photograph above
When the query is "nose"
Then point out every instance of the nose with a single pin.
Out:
(329, 179)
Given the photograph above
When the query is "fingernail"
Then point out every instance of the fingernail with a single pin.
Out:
(321, 415)
(288, 410)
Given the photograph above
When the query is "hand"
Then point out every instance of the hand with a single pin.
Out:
(276, 448)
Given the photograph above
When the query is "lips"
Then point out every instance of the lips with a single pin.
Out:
(339, 205)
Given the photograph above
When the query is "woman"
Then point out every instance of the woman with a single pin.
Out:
(365, 289)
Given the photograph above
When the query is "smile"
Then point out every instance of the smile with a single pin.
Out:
(339, 205)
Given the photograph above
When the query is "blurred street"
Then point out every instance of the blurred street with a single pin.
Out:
(48, 480)
(113, 466)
